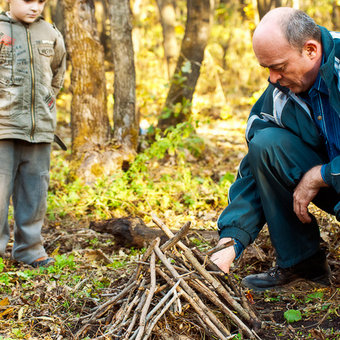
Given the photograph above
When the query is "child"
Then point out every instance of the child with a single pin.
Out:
(32, 67)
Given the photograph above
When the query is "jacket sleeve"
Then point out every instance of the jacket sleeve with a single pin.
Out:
(58, 64)
(332, 174)
(243, 218)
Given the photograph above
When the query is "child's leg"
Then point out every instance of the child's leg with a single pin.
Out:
(7, 166)
(29, 200)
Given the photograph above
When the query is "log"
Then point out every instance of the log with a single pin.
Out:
(133, 232)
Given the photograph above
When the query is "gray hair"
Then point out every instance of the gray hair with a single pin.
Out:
(298, 28)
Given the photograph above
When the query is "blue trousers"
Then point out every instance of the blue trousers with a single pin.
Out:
(24, 176)
(276, 161)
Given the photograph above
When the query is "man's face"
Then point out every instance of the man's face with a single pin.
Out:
(287, 65)
(26, 11)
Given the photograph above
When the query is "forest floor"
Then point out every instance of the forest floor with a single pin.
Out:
(49, 303)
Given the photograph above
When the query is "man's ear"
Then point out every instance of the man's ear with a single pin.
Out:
(312, 49)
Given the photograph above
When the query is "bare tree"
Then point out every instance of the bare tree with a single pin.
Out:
(177, 106)
(168, 21)
(90, 123)
(126, 125)
(264, 6)
(336, 15)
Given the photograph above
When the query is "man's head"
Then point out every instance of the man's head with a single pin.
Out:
(288, 42)
(26, 11)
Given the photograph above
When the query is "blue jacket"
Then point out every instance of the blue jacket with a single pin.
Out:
(278, 106)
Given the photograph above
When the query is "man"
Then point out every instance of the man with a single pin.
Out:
(293, 136)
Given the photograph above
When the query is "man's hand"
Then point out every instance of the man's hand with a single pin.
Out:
(225, 257)
(305, 191)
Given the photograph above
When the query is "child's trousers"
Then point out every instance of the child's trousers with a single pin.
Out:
(24, 175)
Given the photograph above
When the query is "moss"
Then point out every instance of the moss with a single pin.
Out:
(97, 170)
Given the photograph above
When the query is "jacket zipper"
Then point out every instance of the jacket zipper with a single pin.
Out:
(32, 82)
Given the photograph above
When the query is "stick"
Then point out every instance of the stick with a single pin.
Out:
(155, 320)
(216, 284)
(195, 301)
(218, 248)
(102, 309)
(134, 318)
(198, 285)
(172, 241)
(145, 257)
(163, 300)
(142, 320)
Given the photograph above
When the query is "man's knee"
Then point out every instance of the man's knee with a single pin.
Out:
(271, 143)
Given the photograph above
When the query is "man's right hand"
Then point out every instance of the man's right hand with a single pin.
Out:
(225, 257)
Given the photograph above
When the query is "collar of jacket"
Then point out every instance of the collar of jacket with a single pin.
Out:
(327, 70)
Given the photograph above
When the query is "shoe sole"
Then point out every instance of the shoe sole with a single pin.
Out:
(43, 263)
(322, 280)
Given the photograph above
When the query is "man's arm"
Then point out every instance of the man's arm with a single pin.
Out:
(305, 192)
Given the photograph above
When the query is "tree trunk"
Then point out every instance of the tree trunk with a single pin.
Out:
(125, 119)
(90, 124)
(336, 16)
(58, 15)
(178, 102)
(105, 31)
(264, 6)
(168, 21)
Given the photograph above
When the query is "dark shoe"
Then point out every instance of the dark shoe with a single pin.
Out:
(43, 263)
(315, 269)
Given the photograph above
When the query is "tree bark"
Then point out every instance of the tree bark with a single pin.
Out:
(125, 118)
(168, 21)
(58, 15)
(105, 31)
(264, 6)
(336, 16)
(178, 102)
(90, 124)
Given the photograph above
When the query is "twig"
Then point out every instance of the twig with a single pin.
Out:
(180, 234)
(218, 248)
(163, 300)
(102, 309)
(155, 320)
(215, 283)
(195, 301)
(145, 309)
(134, 318)
(146, 255)
(198, 285)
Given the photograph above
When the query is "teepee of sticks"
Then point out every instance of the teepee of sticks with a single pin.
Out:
(167, 278)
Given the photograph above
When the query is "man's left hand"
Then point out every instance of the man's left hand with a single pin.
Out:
(305, 191)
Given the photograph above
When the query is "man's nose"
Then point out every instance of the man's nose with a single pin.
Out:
(274, 76)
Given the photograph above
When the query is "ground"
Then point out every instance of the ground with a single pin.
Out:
(49, 303)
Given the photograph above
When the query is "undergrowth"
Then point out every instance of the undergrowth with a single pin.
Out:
(160, 179)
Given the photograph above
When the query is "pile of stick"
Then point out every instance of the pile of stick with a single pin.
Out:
(165, 278)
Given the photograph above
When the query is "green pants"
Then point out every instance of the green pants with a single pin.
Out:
(276, 161)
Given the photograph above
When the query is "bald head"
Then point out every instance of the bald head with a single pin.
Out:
(288, 25)
(288, 42)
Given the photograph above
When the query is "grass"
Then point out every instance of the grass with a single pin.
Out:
(160, 179)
